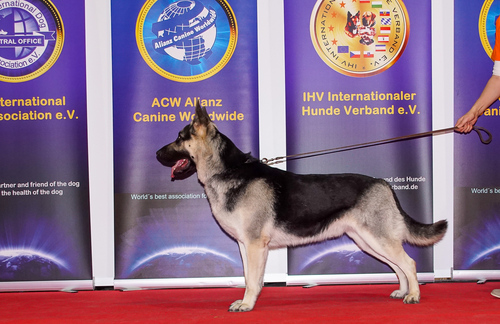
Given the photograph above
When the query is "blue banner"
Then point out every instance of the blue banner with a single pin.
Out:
(477, 183)
(44, 192)
(167, 55)
(355, 73)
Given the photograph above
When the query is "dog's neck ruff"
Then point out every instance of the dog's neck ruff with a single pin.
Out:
(216, 167)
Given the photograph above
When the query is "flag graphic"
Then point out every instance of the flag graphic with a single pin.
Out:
(343, 49)
(380, 48)
(383, 39)
(385, 21)
(355, 54)
(384, 13)
(376, 4)
(385, 29)
(364, 1)
(368, 54)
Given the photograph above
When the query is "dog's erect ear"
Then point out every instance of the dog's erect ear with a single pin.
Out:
(201, 116)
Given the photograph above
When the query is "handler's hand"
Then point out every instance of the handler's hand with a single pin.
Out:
(466, 122)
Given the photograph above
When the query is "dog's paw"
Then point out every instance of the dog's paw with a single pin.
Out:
(239, 306)
(398, 294)
(412, 299)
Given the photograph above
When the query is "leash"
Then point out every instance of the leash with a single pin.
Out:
(281, 159)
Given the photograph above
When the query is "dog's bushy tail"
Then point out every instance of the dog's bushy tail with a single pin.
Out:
(419, 233)
(425, 234)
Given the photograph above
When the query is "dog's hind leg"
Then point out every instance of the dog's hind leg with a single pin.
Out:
(402, 260)
(408, 266)
(254, 255)
(403, 281)
(395, 256)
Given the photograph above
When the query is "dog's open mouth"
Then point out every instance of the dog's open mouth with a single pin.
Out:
(182, 169)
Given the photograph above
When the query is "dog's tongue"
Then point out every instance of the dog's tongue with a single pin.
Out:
(179, 166)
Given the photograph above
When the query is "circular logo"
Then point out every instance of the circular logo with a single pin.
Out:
(359, 38)
(186, 40)
(31, 39)
(487, 24)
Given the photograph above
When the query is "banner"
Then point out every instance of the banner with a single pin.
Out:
(477, 182)
(357, 72)
(44, 194)
(167, 55)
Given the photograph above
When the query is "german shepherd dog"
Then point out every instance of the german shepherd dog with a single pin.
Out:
(264, 208)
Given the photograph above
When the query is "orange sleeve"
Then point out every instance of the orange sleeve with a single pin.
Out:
(495, 56)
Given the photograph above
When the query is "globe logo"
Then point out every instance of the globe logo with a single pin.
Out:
(186, 40)
(28, 42)
(186, 31)
(20, 23)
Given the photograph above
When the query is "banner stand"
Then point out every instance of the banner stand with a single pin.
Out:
(472, 275)
(217, 282)
(47, 285)
(371, 278)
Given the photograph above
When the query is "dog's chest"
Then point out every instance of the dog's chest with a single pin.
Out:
(228, 220)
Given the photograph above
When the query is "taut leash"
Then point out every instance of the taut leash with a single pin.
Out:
(281, 159)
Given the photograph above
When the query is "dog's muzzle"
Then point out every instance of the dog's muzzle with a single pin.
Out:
(182, 166)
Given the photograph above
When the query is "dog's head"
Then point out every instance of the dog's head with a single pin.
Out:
(181, 154)
(351, 26)
(368, 19)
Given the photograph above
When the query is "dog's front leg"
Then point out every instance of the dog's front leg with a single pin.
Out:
(254, 256)
(243, 253)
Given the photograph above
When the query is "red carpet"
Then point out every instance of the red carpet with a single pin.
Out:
(440, 303)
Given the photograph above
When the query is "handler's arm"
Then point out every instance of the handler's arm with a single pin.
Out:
(491, 92)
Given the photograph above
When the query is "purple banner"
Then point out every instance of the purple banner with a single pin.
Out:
(477, 183)
(355, 73)
(44, 199)
(166, 56)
